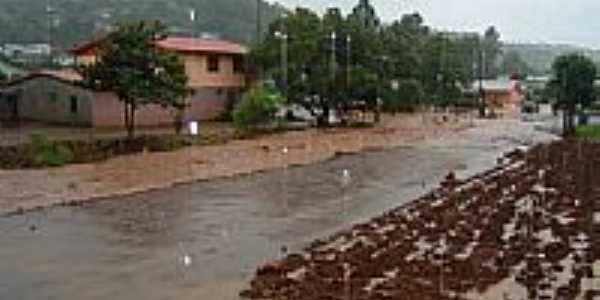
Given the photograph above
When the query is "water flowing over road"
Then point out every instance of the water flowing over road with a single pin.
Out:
(204, 240)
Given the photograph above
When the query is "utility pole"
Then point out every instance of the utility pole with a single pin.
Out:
(50, 19)
(258, 22)
(333, 70)
(283, 37)
(380, 86)
(481, 75)
(284, 58)
(258, 34)
(348, 61)
(333, 49)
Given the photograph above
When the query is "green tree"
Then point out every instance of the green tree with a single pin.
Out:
(364, 14)
(492, 50)
(444, 72)
(573, 83)
(405, 96)
(130, 65)
(258, 107)
(433, 66)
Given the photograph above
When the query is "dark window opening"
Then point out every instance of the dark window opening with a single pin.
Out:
(213, 63)
(74, 105)
(238, 64)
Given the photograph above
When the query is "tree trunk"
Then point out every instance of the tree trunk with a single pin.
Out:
(131, 130)
(129, 119)
(126, 112)
(178, 121)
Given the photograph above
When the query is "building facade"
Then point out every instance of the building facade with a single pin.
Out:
(502, 97)
(215, 69)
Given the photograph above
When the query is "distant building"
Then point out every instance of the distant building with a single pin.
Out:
(9, 71)
(27, 53)
(501, 96)
(216, 75)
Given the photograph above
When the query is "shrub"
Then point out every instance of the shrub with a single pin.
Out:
(258, 107)
(43, 152)
(590, 131)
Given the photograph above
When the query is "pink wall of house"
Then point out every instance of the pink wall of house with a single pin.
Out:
(506, 100)
(108, 111)
(196, 67)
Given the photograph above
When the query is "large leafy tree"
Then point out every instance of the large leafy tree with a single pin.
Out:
(139, 73)
(444, 72)
(573, 83)
(492, 50)
(401, 62)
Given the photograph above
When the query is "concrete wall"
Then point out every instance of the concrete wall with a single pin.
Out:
(49, 100)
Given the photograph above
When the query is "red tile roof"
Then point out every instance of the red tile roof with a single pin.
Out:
(64, 74)
(183, 44)
(68, 76)
(180, 44)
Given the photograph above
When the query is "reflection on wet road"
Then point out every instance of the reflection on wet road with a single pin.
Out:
(204, 240)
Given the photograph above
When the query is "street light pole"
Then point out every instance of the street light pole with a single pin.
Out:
(333, 70)
(481, 75)
(333, 49)
(283, 37)
(50, 15)
(259, 35)
(348, 60)
(258, 21)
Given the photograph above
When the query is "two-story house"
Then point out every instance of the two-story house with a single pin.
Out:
(215, 69)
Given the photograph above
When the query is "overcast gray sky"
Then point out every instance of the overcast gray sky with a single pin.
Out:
(554, 21)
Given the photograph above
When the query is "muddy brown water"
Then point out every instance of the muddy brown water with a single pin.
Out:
(204, 240)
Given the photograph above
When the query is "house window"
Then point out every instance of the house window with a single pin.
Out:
(74, 105)
(213, 63)
(238, 64)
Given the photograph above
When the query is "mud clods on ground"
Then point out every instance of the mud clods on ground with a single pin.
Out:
(529, 221)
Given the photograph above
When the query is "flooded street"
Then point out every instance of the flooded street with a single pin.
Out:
(205, 240)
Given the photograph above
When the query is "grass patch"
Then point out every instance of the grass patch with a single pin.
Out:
(588, 131)
(40, 152)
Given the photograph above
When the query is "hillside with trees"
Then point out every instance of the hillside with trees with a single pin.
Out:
(539, 57)
(70, 21)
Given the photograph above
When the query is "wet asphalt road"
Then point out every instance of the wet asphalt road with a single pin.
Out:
(204, 240)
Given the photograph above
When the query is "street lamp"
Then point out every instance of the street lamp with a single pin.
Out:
(382, 79)
(348, 60)
(50, 14)
(333, 49)
(327, 112)
(283, 37)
